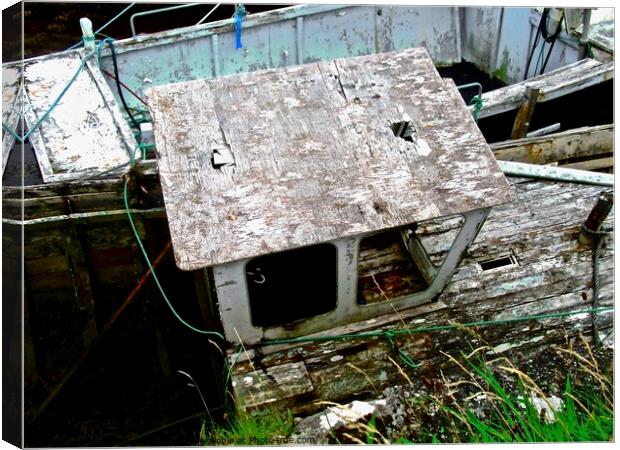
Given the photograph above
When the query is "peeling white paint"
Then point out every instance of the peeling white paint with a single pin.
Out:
(507, 346)
(551, 406)
(335, 415)
(86, 130)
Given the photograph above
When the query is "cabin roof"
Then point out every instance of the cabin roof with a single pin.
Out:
(308, 154)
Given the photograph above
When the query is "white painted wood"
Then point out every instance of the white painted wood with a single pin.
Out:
(11, 106)
(85, 133)
(554, 84)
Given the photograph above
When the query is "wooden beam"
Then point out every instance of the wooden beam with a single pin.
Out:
(577, 143)
(592, 164)
(554, 84)
(525, 113)
(91, 217)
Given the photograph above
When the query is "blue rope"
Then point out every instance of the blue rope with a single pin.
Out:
(240, 13)
(55, 103)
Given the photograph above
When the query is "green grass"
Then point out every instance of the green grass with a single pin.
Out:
(266, 428)
(506, 412)
(586, 415)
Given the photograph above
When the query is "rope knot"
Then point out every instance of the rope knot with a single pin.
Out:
(476, 101)
(390, 335)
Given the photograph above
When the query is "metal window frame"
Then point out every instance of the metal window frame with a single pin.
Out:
(234, 305)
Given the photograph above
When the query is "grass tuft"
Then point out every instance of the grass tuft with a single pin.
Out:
(527, 414)
(249, 429)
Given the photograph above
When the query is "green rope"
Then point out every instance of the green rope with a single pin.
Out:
(392, 334)
(148, 262)
(229, 369)
(476, 101)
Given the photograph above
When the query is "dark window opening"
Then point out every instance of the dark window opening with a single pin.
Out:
(292, 285)
(403, 130)
(386, 270)
(502, 261)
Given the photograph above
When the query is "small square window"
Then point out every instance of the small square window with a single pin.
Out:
(292, 285)
(386, 270)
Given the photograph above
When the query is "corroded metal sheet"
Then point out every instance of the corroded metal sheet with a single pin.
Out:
(85, 132)
(315, 155)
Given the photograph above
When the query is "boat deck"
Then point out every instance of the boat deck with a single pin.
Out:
(542, 269)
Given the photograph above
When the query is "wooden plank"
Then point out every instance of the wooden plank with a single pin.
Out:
(48, 223)
(554, 275)
(315, 154)
(554, 84)
(30, 357)
(50, 202)
(272, 386)
(61, 283)
(525, 113)
(48, 265)
(577, 143)
(592, 164)
(147, 169)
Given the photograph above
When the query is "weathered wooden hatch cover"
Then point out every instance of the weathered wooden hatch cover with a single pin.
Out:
(267, 161)
(85, 132)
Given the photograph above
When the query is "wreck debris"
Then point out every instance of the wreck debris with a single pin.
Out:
(325, 154)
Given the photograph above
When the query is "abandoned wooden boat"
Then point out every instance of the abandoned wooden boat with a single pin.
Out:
(327, 231)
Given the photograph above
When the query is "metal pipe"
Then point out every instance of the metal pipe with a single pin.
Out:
(585, 31)
(155, 11)
(556, 173)
(544, 131)
(299, 39)
(471, 85)
(599, 212)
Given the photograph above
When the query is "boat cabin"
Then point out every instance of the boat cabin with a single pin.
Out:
(281, 182)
